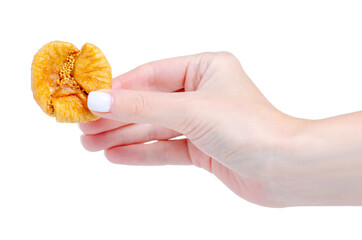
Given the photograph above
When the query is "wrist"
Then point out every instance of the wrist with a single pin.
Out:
(292, 166)
(282, 174)
(289, 151)
(319, 165)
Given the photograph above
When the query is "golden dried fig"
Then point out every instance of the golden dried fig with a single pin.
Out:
(62, 76)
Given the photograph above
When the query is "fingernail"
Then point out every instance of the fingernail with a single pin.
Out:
(99, 101)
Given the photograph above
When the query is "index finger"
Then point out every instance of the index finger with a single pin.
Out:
(167, 75)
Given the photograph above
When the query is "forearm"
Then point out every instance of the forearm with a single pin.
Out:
(323, 163)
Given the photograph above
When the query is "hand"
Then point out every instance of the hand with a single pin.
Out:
(231, 129)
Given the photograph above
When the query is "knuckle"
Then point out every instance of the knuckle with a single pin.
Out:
(228, 57)
(148, 71)
(138, 104)
(196, 109)
(221, 59)
(208, 55)
(226, 54)
(218, 55)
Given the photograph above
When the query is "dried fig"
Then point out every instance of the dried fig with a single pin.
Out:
(62, 76)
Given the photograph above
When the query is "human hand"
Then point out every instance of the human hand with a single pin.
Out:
(263, 155)
(231, 129)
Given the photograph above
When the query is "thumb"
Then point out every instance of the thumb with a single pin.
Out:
(166, 109)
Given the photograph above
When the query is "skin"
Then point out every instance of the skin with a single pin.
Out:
(263, 155)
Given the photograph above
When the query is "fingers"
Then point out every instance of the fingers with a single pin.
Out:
(172, 152)
(131, 134)
(176, 152)
(166, 75)
(173, 74)
(167, 109)
(100, 125)
(148, 100)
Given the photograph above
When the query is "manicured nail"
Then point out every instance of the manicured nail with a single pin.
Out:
(99, 101)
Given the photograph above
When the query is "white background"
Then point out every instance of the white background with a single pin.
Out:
(305, 56)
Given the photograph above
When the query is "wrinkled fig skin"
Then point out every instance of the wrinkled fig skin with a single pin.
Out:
(62, 76)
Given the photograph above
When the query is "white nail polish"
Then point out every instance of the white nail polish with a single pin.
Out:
(99, 101)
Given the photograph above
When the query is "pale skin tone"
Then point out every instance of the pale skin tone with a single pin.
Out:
(260, 153)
